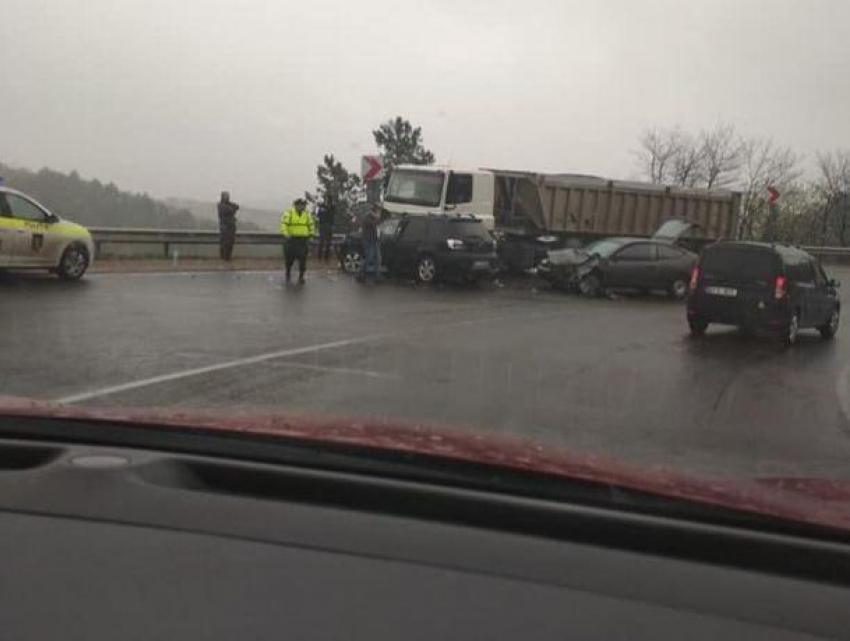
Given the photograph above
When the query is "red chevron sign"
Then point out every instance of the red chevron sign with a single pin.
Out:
(371, 168)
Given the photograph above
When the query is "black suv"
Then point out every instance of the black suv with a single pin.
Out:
(430, 248)
(762, 286)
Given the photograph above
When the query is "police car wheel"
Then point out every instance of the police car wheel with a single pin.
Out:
(74, 263)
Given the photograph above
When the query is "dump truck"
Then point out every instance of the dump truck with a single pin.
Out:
(532, 213)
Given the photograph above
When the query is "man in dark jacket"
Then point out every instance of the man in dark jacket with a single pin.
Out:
(371, 237)
(327, 214)
(226, 225)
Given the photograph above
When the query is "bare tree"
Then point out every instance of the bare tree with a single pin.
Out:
(687, 167)
(800, 209)
(763, 164)
(720, 156)
(833, 185)
(655, 153)
(674, 156)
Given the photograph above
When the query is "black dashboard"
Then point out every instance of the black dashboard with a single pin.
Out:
(101, 541)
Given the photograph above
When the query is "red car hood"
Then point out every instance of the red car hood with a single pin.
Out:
(816, 501)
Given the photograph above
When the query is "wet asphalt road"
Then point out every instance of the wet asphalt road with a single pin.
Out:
(615, 377)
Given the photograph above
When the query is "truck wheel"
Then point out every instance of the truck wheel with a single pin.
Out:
(352, 261)
(788, 334)
(829, 330)
(590, 286)
(426, 269)
(678, 289)
(74, 263)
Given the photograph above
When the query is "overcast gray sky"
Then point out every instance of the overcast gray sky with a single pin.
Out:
(184, 97)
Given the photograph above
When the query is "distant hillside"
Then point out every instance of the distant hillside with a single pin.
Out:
(92, 203)
(249, 218)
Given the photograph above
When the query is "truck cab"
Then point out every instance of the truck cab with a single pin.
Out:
(415, 189)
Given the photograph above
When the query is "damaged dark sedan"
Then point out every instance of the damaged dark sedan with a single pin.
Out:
(642, 264)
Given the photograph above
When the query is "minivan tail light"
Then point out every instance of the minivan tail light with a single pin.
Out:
(694, 278)
(780, 289)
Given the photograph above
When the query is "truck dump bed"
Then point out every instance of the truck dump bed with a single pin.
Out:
(591, 206)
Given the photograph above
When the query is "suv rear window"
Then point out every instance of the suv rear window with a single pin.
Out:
(738, 265)
(467, 229)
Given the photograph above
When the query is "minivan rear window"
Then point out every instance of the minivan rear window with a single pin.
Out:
(738, 265)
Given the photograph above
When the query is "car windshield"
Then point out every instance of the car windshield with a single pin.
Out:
(223, 184)
(416, 187)
(604, 248)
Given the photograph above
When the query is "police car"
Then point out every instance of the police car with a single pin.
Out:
(31, 237)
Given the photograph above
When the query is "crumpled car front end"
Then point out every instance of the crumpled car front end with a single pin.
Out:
(564, 268)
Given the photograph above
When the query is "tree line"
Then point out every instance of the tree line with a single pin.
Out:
(93, 203)
(813, 206)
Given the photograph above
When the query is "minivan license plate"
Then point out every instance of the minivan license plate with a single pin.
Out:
(729, 292)
(480, 264)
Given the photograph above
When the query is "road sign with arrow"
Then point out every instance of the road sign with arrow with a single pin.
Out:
(371, 168)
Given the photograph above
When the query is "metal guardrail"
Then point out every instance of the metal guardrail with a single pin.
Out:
(167, 237)
(826, 252)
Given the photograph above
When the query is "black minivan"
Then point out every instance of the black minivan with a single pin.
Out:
(762, 286)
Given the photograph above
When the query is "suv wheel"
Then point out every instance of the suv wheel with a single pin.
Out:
(788, 334)
(829, 330)
(352, 261)
(426, 269)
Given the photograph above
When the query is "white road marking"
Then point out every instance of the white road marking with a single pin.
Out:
(218, 367)
(261, 358)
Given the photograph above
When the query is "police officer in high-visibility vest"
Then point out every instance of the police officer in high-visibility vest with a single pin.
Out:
(297, 228)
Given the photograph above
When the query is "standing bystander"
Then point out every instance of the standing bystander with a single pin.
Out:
(371, 245)
(226, 225)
